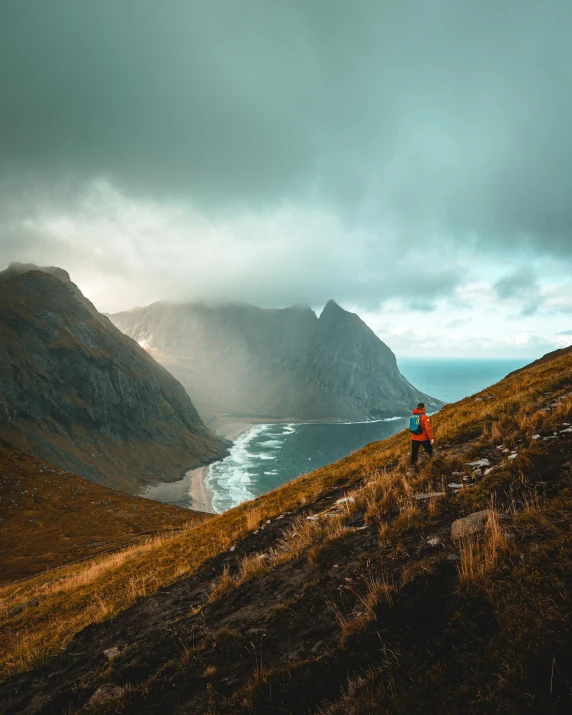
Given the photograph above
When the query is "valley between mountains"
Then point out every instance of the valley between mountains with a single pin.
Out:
(362, 587)
(248, 362)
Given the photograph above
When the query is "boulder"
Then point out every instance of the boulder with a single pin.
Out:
(106, 692)
(479, 463)
(111, 652)
(472, 524)
(429, 495)
(345, 500)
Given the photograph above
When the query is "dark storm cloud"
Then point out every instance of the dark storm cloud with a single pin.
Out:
(517, 284)
(521, 285)
(453, 111)
(443, 125)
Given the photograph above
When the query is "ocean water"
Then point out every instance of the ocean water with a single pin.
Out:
(270, 455)
(452, 379)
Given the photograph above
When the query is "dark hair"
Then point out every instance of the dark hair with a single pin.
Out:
(421, 406)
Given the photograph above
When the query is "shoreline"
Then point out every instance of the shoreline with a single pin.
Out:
(201, 496)
(191, 491)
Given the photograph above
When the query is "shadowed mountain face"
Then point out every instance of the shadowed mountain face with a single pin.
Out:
(77, 392)
(245, 361)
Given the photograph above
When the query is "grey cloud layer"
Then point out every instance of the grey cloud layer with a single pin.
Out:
(447, 118)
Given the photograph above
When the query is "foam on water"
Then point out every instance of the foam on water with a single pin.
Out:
(231, 479)
(241, 477)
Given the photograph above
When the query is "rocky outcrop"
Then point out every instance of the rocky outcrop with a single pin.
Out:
(77, 392)
(246, 361)
(473, 524)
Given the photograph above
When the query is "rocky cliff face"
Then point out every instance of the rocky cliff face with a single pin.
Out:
(77, 392)
(245, 361)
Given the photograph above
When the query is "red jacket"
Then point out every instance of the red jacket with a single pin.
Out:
(427, 431)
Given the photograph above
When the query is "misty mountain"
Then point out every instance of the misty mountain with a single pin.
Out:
(77, 392)
(240, 360)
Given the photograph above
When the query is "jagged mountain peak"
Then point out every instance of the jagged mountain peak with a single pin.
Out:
(276, 363)
(332, 309)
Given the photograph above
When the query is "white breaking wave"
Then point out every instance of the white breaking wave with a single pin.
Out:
(229, 479)
(271, 443)
(233, 480)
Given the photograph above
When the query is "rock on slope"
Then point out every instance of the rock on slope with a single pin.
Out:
(250, 362)
(50, 517)
(77, 392)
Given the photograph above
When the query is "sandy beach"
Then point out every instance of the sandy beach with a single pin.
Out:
(201, 495)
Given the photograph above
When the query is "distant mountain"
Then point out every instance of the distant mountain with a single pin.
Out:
(77, 392)
(240, 360)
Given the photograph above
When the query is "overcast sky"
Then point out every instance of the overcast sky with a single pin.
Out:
(411, 159)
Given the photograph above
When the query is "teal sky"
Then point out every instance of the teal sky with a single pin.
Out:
(410, 159)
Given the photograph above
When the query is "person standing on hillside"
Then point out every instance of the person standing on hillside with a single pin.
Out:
(421, 433)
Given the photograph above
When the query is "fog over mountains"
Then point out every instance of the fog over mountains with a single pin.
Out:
(77, 392)
(240, 360)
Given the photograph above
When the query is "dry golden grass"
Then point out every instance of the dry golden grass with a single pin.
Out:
(377, 589)
(333, 535)
(253, 519)
(251, 567)
(408, 515)
(480, 556)
(38, 618)
(222, 585)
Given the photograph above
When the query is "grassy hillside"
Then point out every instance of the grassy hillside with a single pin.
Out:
(367, 606)
(50, 517)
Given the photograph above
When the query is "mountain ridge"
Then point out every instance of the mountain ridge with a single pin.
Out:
(287, 363)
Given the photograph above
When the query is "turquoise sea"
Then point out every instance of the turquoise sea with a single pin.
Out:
(269, 455)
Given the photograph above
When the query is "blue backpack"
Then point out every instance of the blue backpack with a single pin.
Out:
(415, 424)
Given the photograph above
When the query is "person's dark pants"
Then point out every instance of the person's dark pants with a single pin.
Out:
(415, 446)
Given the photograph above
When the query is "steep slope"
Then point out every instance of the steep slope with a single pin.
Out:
(287, 364)
(351, 590)
(49, 517)
(77, 392)
(347, 358)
